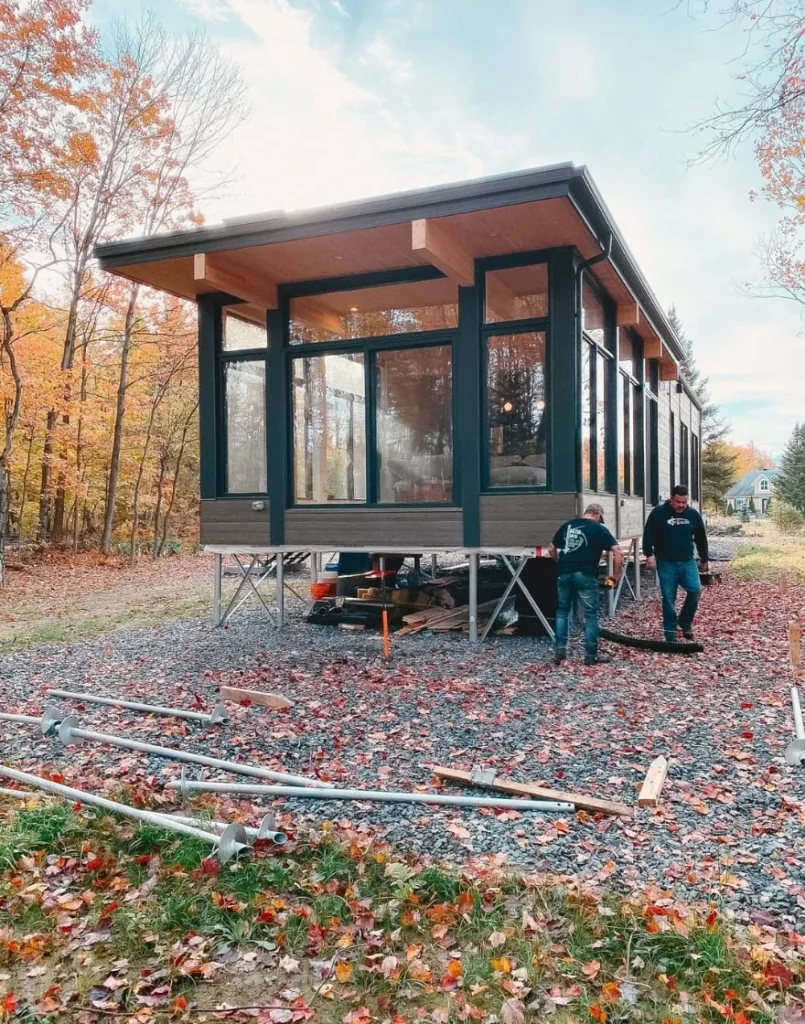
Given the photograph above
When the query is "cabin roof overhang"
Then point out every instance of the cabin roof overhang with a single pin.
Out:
(549, 207)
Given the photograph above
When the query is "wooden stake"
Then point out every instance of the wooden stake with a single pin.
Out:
(795, 645)
(386, 639)
(653, 783)
(581, 802)
(266, 700)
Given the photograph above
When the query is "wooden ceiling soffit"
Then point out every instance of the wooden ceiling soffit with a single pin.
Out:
(211, 273)
(669, 369)
(432, 243)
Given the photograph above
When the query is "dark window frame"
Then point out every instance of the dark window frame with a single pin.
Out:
(368, 347)
(695, 466)
(222, 359)
(684, 455)
(651, 406)
(673, 453)
(501, 327)
(633, 484)
(606, 352)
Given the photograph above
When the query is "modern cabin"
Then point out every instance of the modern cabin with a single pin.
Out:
(459, 367)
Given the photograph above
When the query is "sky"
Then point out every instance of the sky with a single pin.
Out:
(353, 98)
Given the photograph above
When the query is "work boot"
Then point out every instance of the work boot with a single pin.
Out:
(559, 657)
(688, 634)
(597, 659)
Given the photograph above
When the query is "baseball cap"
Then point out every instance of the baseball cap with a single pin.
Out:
(597, 509)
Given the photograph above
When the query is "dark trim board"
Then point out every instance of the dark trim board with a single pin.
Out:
(392, 529)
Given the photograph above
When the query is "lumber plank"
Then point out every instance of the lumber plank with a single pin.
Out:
(261, 697)
(581, 802)
(653, 783)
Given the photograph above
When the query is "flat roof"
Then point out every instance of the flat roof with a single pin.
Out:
(566, 184)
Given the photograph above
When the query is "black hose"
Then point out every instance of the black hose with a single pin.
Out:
(643, 644)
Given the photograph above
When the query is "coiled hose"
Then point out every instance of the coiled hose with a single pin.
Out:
(660, 646)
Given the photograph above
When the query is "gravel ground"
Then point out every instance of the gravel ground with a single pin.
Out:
(731, 820)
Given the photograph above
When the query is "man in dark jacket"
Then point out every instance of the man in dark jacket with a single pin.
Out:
(668, 539)
(577, 549)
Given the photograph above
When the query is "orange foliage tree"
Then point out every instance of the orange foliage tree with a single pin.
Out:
(100, 138)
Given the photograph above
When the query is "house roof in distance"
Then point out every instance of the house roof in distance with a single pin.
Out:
(540, 208)
(745, 487)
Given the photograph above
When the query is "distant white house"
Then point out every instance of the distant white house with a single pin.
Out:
(754, 489)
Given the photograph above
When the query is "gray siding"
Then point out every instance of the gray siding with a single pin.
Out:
(523, 520)
(394, 529)
(608, 503)
(234, 521)
(632, 517)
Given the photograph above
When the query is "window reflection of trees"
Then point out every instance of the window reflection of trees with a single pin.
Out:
(329, 417)
(245, 395)
(516, 389)
(415, 425)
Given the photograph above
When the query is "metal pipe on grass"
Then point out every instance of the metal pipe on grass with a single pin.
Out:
(231, 842)
(265, 830)
(69, 733)
(373, 795)
(218, 713)
(20, 794)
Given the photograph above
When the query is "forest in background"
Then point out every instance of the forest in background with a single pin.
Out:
(97, 375)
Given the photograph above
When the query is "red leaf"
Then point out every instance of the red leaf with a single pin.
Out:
(778, 972)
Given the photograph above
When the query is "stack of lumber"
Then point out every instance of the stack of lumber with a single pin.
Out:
(441, 620)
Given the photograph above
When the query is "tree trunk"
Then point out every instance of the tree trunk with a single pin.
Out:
(24, 494)
(11, 420)
(117, 436)
(164, 536)
(135, 510)
(163, 472)
(44, 488)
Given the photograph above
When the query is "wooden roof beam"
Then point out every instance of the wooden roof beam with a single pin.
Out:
(211, 273)
(314, 314)
(432, 244)
(628, 314)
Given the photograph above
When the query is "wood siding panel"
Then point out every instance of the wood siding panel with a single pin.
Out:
(393, 529)
(234, 521)
(523, 520)
(632, 518)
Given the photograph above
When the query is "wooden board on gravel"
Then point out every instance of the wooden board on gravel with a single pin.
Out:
(580, 801)
(260, 697)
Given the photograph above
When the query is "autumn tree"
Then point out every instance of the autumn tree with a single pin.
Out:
(44, 51)
(202, 96)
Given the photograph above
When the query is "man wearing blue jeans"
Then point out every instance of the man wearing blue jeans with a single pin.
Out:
(671, 531)
(577, 549)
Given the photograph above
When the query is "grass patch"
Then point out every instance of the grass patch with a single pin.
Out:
(770, 561)
(354, 926)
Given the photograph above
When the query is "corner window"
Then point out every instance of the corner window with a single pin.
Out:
(630, 414)
(516, 413)
(245, 419)
(242, 376)
(516, 293)
(587, 418)
(594, 318)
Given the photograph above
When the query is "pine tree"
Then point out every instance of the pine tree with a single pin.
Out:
(790, 484)
(719, 470)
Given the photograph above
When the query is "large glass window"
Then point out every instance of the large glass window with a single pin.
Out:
(684, 456)
(415, 424)
(695, 466)
(329, 417)
(240, 335)
(630, 414)
(516, 415)
(602, 386)
(408, 307)
(516, 293)
(245, 412)
(587, 421)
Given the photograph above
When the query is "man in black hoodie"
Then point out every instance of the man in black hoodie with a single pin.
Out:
(668, 539)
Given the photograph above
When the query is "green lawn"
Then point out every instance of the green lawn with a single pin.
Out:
(96, 913)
